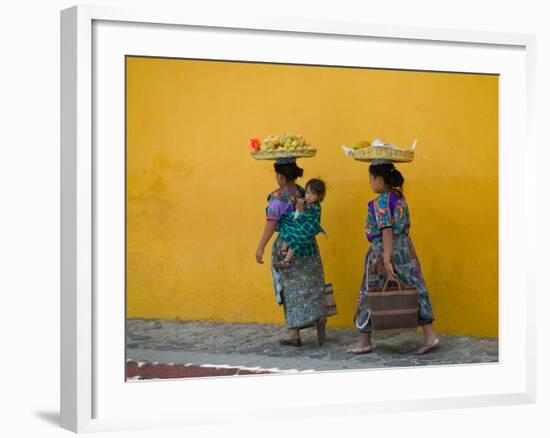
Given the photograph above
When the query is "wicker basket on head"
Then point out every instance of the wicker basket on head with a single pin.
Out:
(383, 153)
(393, 309)
(273, 154)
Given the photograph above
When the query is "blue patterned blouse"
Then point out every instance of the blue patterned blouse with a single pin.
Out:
(389, 209)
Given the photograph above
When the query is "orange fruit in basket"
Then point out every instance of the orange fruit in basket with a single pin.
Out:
(361, 144)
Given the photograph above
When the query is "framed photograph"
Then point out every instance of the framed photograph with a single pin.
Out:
(199, 279)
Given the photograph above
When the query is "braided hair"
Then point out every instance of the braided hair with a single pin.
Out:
(290, 171)
(392, 177)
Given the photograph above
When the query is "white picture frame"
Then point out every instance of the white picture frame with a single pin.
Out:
(89, 398)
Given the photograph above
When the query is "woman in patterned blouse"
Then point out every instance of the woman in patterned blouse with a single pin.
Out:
(391, 255)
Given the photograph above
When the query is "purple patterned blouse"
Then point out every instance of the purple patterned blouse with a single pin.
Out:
(282, 201)
(389, 209)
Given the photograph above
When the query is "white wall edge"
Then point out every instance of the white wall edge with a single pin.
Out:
(321, 411)
(289, 24)
(76, 238)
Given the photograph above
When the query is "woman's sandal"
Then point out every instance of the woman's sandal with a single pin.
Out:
(360, 349)
(321, 325)
(295, 342)
(281, 265)
(426, 348)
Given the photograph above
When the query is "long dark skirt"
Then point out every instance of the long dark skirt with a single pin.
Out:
(407, 268)
(300, 289)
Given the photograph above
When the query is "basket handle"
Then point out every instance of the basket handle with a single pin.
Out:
(399, 284)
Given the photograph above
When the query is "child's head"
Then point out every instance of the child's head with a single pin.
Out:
(315, 191)
(384, 176)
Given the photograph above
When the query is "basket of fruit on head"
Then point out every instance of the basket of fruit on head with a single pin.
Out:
(280, 146)
(378, 150)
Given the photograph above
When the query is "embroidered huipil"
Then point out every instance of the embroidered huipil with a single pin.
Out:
(389, 209)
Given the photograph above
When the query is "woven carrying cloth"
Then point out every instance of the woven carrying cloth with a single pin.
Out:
(299, 233)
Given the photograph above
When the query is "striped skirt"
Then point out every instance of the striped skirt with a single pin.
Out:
(300, 288)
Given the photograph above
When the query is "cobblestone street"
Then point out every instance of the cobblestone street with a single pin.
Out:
(255, 347)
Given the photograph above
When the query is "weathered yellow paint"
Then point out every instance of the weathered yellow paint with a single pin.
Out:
(195, 198)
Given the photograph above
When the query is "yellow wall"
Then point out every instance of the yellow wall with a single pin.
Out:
(196, 200)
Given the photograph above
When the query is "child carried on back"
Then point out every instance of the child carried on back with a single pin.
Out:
(298, 230)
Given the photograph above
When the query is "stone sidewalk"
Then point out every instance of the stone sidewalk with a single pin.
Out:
(256, 346)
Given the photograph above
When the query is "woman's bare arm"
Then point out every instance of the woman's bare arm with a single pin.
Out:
(269, 229)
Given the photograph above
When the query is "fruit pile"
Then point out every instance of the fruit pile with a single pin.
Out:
(278, 143)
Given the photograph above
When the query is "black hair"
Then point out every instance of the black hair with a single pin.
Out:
(318, 187)
(289, 171)
(392, 176)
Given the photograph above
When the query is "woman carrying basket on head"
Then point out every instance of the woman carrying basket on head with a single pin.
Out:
(391, 256)
(299, 288)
